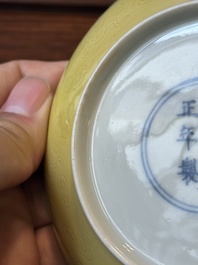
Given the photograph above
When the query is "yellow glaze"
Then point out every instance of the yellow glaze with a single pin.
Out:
(79, 241)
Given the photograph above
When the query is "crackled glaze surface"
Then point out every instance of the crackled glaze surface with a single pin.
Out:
(81, 244)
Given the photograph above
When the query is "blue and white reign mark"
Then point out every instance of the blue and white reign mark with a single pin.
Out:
(169, 146)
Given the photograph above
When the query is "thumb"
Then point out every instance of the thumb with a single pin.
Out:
(23, 129)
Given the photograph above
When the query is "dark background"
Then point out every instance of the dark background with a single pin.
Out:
(45, 29)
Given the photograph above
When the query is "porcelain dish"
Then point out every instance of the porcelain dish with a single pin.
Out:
(121, 158)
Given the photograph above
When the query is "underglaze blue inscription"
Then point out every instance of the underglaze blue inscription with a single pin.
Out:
(188, 108)
(169, 146)
(188, 166)
(189, 170)
(186, 135)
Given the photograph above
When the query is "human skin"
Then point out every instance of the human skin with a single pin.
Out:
(26, 230)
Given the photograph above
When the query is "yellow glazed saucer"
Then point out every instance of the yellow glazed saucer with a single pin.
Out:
(118, 194)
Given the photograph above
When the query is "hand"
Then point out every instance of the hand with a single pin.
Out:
(26, 232)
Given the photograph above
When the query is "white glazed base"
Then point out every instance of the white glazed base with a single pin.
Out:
(136, 171)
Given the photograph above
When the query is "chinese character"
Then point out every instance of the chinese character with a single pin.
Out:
(188, 170)
(188, 107)
(186, 135)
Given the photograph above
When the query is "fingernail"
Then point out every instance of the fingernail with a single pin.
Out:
(27, 96)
